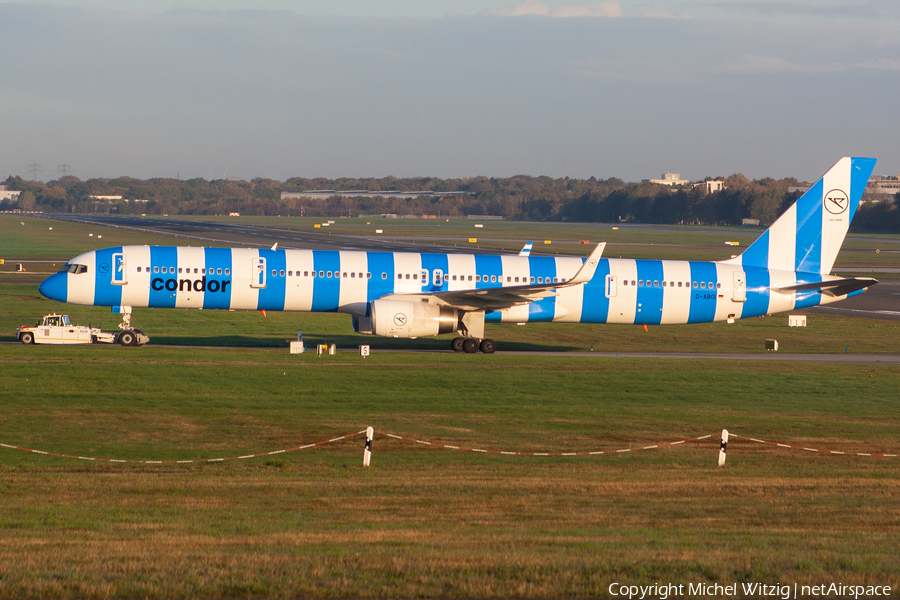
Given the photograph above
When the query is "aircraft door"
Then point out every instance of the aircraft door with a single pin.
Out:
(438, 277)
(424, 277)
(612, 286)
(119, 273)
(258, 273)
(740, 287)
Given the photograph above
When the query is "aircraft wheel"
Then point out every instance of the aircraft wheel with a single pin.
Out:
(470, 346)
(127, 338)
(27, 338)
(488, 346)
(457, 344)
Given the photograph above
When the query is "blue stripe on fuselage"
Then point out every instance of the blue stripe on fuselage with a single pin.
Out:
(757, 284)
(812, 299)
(595, 304)
(433, 262)
(105, 293)
(378, 264)
(545, 308)
(703, 301)
(162, 293)
(326, 290)
(220, 297)
(271, 297)
(650, 296)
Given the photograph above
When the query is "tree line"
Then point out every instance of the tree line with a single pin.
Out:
(515, 198)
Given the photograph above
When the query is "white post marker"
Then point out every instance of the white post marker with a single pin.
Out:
(364, 350)
(722, 447)
(367, 453)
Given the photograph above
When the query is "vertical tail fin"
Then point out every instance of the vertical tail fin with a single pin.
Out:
(808, 236)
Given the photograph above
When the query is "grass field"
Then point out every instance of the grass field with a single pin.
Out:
(428, 522)
(424, 522)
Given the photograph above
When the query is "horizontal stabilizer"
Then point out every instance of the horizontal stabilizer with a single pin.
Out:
(833, 287)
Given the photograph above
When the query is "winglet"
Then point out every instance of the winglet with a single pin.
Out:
(526, 249)
(586, 272)
(275, 247)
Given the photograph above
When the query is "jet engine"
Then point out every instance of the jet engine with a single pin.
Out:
(410, 319)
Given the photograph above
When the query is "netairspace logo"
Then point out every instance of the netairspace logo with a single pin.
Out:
(662, 591)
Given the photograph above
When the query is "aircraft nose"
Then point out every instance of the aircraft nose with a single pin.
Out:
(55, 287)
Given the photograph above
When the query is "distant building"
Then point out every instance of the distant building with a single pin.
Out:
(6, 194)
(753, 222)
(669, 179)
(883, 184)
(714, 186)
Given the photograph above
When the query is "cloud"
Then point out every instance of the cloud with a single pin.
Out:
(752, 63)
(603, 8)
(871, 9)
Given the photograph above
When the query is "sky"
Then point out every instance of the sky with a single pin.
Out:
(367, 88)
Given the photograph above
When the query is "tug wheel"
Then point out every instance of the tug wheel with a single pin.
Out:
(127, 338)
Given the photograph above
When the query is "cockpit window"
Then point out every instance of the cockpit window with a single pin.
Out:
(74, 269)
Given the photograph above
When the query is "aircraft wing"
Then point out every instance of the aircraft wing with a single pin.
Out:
(832, 287)
(501, 298)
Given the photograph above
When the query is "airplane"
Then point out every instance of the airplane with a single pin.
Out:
(410, 295)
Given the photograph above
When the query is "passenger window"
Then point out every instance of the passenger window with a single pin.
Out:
(555, 280)
(532, 280)
(664, 284)
(624, 282)
(219, 272)
(640, 283)
(679, 284)
(703, 285)
(179, 269)
(156, 269)
(203, 271)
(353, 275)
(478, 278)
(407, 275)
(368, 276)
(470, 278)
(655, 283)
(718, 285)
(416, 276)
(228, 272)
(345, 274)
(281, 272)
(274, 272)
(493, 279)
(139, 270)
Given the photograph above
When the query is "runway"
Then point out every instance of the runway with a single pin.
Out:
(263, 236)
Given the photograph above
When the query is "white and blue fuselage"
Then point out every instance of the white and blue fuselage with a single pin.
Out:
(406, 294)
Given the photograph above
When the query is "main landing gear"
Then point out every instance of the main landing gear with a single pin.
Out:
(473, 345)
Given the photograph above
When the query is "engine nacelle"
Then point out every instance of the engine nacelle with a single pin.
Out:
(410, 319)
